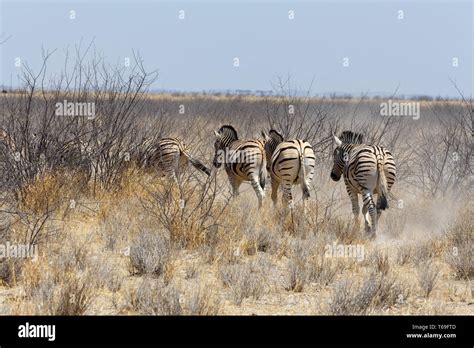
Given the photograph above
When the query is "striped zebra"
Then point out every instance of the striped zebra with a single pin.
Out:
(168, 157)
(244, 160)
(367, 170)
(289, 163)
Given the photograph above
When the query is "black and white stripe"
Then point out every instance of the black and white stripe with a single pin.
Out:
(244, 160)
(168, 157)
(290, 163)
(368, 170)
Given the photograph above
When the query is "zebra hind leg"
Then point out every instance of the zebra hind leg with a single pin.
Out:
(258, 190)
(235, 183)
(355, 208)
(370, 214)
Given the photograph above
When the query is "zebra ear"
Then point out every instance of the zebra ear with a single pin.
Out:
(217, 134)
(265, 136)
(338, 141)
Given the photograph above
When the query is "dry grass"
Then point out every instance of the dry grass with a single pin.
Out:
(376, 291)
(460, 256)
(153, 248)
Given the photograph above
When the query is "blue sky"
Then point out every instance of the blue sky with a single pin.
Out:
(415, 53)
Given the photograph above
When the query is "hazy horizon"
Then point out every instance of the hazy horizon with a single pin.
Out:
(413, 56)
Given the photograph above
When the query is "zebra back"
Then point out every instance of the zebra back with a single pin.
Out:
(292, 160)
(242, 158)
(168, 154)
(365, 167)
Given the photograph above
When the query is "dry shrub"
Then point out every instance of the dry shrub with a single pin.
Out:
(377, 291)
(344, 230)
(191, 271)
(424, 251)
(394, 223)
(259, 239)
(209, 249)
(242, 281)
(149, 253)
(381, 260)
(297, 275)
(460, 252)
(323, 270)
(202, 301)
(76, 295)
(185, 211)
(152, 297)
(109, 275)
(427, 275)
(405, 253)
(50, 191)
(10, 268)
(58, 286)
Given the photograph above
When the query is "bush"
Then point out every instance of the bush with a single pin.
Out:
(59, 287)
(242, 281)
(460, 236)
(152, 297)
(377, 291)
(427, 275)
(149, 253)
(202, 301)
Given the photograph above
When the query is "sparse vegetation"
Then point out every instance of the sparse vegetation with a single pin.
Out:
(427, 275)
(114, 238)
(376, 291)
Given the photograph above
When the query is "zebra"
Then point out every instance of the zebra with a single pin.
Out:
(244, 160)
(168, 157)
(367, 170)
(289, 162)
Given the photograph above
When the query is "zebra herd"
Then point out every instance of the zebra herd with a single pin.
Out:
(368, 170)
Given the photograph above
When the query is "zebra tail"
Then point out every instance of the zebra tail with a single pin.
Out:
(198, 165)
(302, 171)
(382, 187)
(262, 176)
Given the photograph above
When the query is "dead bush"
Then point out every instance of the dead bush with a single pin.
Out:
(242, 281)
(152, 297)
(323, 270)
(427, 275)
(405, 254)
(460, 252)
(376, 291)
(149, 253)
(297, 275)
(52, 290)
(202, 301)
